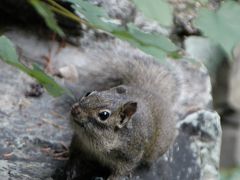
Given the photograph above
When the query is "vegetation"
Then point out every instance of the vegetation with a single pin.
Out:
(222, 25)
(9, 55)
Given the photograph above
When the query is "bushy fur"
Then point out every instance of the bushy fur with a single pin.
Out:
(127, 138)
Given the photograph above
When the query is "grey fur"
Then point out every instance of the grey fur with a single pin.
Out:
(120, 77)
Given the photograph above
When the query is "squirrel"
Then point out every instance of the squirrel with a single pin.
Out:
(126, 119)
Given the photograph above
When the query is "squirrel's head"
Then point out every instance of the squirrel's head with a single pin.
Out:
(99, 117)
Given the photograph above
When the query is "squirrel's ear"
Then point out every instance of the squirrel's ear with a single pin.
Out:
(127, 110)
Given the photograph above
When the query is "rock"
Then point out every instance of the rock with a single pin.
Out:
(204, 136)
(215, 60)
(122, 10)
(230, 146)
(25, 170)
(30, 135)
(69, 73)
(194, 154)
(184, 13)
(205, 51)
(234, 81)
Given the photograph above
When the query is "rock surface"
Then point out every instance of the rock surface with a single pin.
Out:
(234, 96)
(214, 58)
(231, 119)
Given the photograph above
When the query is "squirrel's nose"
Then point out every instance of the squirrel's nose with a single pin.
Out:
(75, 110)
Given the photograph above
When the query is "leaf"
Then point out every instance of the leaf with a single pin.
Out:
(149, 39)
(221, 26)
(158, 10)
(230, 173)
(93, 14)
(7, 51)
(43, 9)
(8, 54)
(51, 86)
(155, 44)
(203, 1)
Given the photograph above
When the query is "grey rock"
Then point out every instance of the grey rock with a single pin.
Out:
(204, 50)
(214, 58)
(185, 11)
(230, 146)
(206, 135)
(194, 155)
(30, 129)
(123, 10)
(25, 170)
(234, 80)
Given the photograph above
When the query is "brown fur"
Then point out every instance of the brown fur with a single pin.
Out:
(139, 93)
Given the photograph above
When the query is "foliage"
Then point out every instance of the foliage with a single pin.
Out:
(156, 45)
(230, 174)
(221, 26)
(95, 17)
(159, 10)
(9, 55)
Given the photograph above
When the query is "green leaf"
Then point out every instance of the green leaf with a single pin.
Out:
(203, 1)
(96, 16)
(158, 10)
(7, 51)
(43, 9)
(221, 26)
(149, 39)
(155, 44)
(9, 55)
(230, 173)
(51, 86)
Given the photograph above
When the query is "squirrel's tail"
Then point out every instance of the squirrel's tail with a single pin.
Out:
(111, 64)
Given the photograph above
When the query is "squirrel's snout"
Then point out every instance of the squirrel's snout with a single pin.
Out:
(75, 110)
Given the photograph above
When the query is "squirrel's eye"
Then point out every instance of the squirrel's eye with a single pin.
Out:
(103, 115)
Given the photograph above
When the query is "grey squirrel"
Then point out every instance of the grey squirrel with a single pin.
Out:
(126, 119)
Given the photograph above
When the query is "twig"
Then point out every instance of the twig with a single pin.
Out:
(52, 123)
